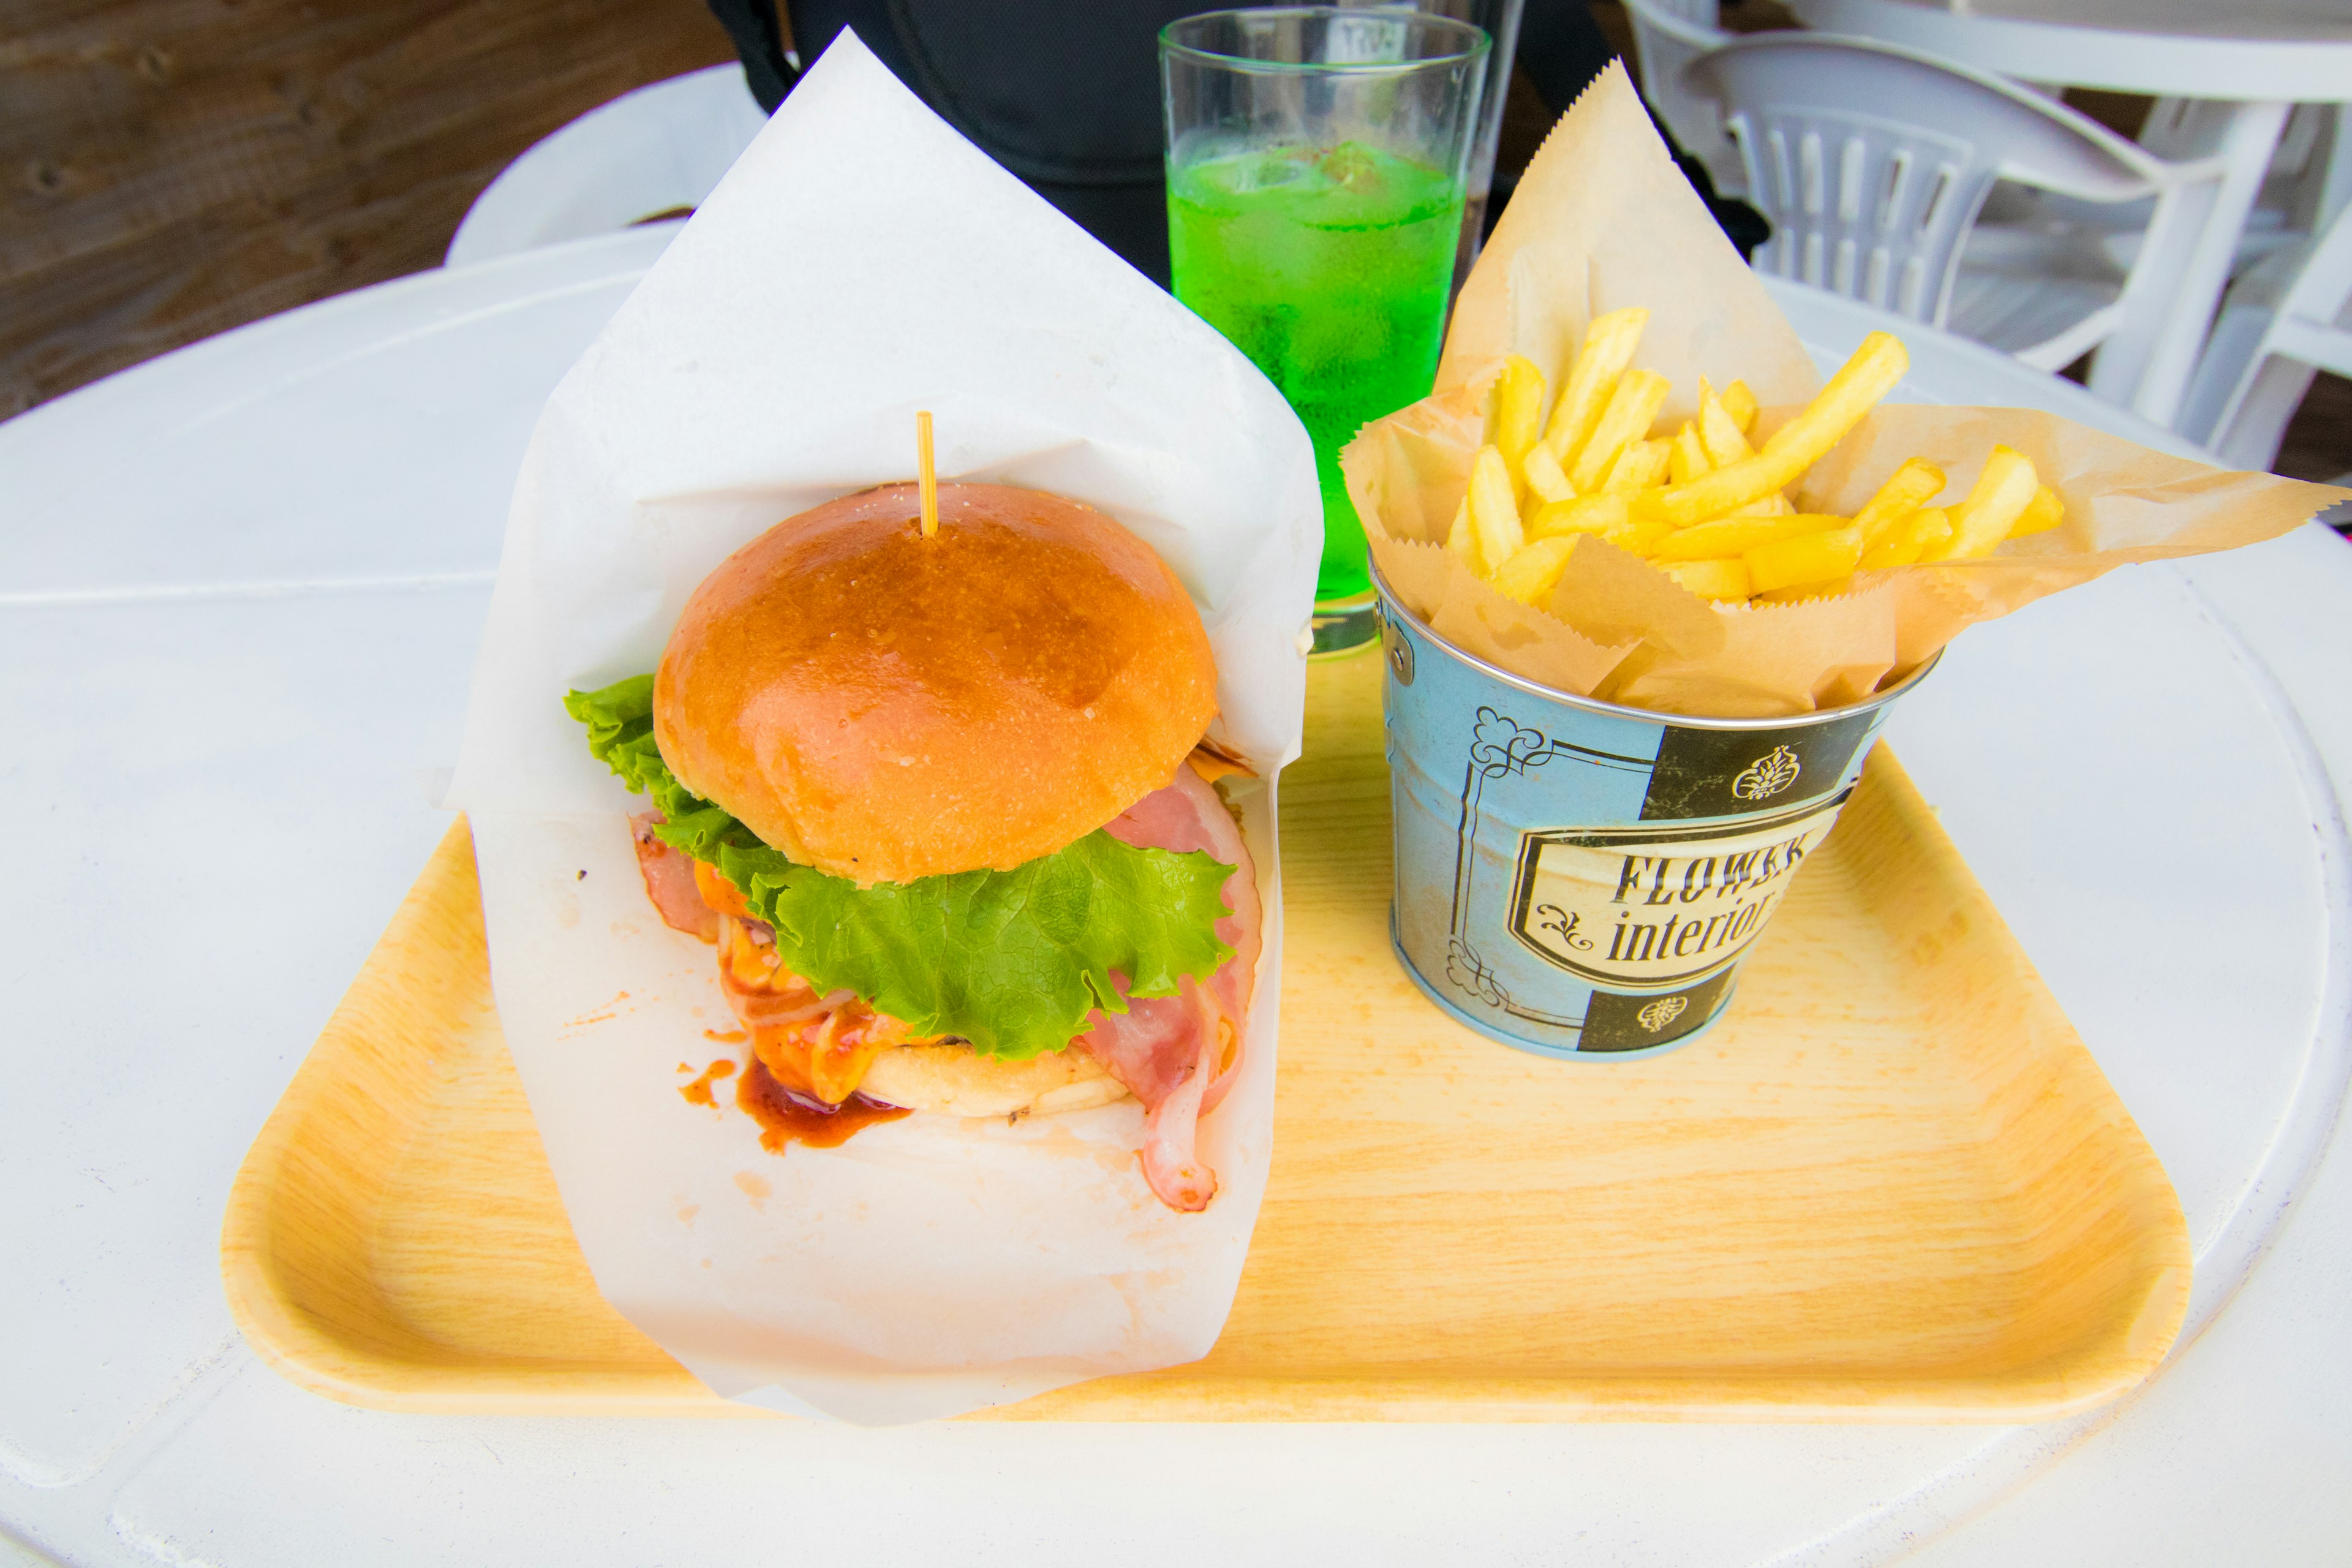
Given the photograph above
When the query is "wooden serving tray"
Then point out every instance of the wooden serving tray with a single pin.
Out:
(1892, 1185)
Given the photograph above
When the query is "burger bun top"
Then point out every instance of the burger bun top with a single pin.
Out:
(883, 706)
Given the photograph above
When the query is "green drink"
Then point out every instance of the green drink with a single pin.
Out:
(1317, 160)
(1330, 268)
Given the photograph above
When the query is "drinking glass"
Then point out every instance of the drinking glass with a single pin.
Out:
(1316, 157)
(1501, 20)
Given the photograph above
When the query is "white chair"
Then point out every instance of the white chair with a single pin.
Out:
(1874, 163)
(657, 150)
(2284, 320)
(2310, 177)
(1668, 36)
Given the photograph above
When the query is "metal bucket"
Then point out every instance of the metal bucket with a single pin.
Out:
(1581, 880)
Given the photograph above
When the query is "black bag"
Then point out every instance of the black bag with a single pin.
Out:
(1068, 96)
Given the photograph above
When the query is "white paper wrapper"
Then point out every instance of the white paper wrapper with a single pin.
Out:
(861, 260)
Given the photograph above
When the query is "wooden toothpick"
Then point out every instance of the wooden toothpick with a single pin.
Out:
(925, 472)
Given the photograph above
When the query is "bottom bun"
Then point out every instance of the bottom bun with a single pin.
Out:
(956, 1080)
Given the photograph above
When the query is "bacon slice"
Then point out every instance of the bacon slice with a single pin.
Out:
(670, 881)
(1180, 1055)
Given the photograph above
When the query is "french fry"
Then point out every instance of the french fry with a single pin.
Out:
(1688, 460)
(1457, 537)
(1579, 514)
(1809, 558)
(1740, 404)
(1869, 374)
(1739, 535)
(1999, 499)
(1608, 349)
(1519, 408)
(1797, 445)
(1912, 536)
(1639, 535)
(1496, 534)
(1719, 434)
(1638, 467)
(1631, 409)
(2043, 512)
(1533, 571)
(1716, 579)
(1546, 481)
(1709, 505)
(1911, 487)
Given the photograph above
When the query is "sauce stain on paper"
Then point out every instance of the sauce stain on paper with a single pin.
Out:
(698, 1091)
(755, 1187)
(604, 1015)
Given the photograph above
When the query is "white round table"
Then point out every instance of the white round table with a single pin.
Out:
(2249, 61)
(239, 593)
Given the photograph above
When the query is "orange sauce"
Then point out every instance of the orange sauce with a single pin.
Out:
(1213, 765)
(787, 1118)
(826, 1059)
(718, 892)
(801, 1084)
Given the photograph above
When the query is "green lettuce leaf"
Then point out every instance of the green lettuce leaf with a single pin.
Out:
(1012, 961)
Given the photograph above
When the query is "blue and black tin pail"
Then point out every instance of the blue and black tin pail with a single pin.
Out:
(1581, 880)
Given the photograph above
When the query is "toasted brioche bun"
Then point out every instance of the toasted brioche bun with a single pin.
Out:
(883, 706)
(956, 1080)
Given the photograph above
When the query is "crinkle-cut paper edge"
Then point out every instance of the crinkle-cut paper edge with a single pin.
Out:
(1426, 449)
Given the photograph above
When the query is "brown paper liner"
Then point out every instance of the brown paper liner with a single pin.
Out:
(1603, 219)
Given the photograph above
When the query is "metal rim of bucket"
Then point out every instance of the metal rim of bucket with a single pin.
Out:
(1391, 605)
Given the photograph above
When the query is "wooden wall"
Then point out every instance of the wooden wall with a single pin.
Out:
(173, 168)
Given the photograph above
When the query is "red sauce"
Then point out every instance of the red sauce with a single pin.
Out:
(698, 1091)
(789, 1117)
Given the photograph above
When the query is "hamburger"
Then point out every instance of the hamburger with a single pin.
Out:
(944, 805)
